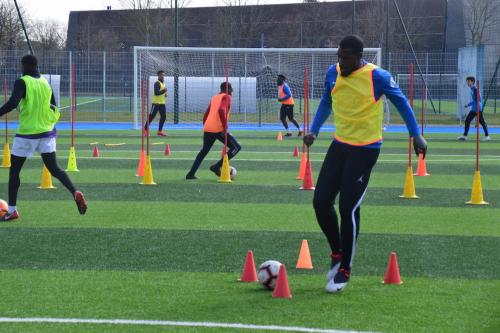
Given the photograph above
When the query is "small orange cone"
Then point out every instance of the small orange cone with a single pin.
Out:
(392, 274)
(422, 167)
(304, 261)
(249, 273)
(95, 153)
(140, 167)
(279, 137)
(302, 168)
(282, 290)
(296, 152)
(167, 150)
(307, 184)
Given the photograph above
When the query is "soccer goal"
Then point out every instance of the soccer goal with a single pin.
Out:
(193, 75)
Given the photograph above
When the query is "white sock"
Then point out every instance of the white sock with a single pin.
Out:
(12, 209)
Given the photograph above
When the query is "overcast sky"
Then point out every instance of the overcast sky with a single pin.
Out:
(59, 9)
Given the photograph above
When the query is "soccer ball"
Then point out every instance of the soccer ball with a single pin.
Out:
(3, 208)
(232, 172)
(268, 273)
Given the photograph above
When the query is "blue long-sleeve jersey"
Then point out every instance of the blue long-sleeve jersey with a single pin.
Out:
(383, 84)
(473, 102)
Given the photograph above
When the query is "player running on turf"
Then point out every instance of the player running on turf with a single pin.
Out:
(158, 104)
(37, 118)
(355, 96)
(286, 99)
(472, 112)
(215, 125)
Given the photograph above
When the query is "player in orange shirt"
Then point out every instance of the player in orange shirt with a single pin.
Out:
(215, 122)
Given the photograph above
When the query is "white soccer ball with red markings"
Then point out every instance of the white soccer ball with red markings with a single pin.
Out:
(268, 273)
(232, 172)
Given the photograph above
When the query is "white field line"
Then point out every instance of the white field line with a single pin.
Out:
(270, 160)
(87, 102)
(37, 320)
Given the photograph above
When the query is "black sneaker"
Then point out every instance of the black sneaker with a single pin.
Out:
(215, 170)
(300, 133)
(288, 134)
(339, 282)
(191, 177)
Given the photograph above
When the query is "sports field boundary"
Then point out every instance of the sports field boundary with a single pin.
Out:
(43, 320)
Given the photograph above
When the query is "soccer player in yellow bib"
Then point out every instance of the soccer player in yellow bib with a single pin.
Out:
(355, 96)
(38, 116)
(158, 103)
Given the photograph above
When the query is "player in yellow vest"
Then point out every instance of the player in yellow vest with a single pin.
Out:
(287, 103)
(158, 103)
(38, 116)
(215, 126)
(355, 96)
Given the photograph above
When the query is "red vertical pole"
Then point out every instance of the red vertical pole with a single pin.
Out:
(227, 113)
(306, 109)
(143, 128)
(6, 115)
(146, 107)
(477, 125)
(423, 109)
(411, 105)
(73, 105)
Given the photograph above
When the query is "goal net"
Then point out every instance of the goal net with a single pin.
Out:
(194, 75)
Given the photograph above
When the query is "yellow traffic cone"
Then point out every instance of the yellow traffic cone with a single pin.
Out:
(46, 182)
(409, 190)
(72, 160)
(148, 173)
(477, 191)
(6, 156)
(225, 176)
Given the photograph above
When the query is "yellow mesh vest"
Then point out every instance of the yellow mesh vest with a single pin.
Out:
(357, 115)
(160, 99)
(35, 114)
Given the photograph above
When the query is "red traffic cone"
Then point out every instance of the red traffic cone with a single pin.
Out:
(95, 153)
(279, 137)
(282, 290)
(167, 150)
(392, 274)
(307, 183)
(249, 273)
(302, 168)
(296, 152)
(140, 167)
(422, 167)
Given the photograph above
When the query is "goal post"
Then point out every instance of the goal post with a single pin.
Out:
(194, 74)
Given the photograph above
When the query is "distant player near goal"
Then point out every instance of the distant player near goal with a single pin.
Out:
(38, 116)
(215, 126)
(287, 103)
(473, 111)
(158, 103)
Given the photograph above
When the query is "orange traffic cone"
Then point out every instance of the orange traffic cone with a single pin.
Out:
(282, 290)
(167, 150)
(392, 274)
(296, 152)
(302, 168)
(304, 261)
(249, 273)
(140, 167)
(307, 184)
(95, 153)
(422, 167)
(279, 137)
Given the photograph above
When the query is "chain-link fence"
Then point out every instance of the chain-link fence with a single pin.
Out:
(104, 84)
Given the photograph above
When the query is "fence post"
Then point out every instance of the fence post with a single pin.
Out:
(104, 86)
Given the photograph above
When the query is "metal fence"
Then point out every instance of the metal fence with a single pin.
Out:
(104, 83)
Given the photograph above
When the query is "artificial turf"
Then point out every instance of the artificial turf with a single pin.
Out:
(174, 251)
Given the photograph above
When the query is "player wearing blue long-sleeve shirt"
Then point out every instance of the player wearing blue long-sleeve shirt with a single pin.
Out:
(473, 104)
(354, 90)
(286, 99)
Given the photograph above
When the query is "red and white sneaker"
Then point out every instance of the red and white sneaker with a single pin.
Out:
(161, 133)
(10, 217)
(81, 204)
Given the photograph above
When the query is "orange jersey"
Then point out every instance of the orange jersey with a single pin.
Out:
(282, 94)
(217, 115)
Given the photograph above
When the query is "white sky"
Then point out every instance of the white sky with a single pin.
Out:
(59, 9)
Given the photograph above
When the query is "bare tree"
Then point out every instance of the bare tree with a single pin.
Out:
(11, 33)
(48, 35)
(480, 16)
